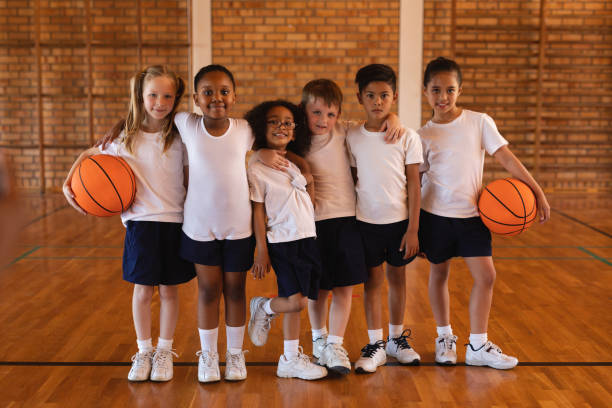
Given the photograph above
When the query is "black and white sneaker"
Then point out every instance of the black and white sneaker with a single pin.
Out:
(399, 348)
(372, 356)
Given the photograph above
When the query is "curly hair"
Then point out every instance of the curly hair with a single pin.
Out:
(257, 120)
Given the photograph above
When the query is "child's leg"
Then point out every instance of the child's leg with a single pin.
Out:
(169, 309)
(372, 297)
(396, 277)
(483, 272)
(235, 298)
(438, 292)
(340, 310)
(317, 310)
(210, 286)
(141, 310)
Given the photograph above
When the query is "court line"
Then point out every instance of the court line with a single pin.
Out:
(19, 258)
(40, 217)
(274, 364)
(582, 223)
(599, 258)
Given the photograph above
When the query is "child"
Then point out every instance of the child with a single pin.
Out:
(282, 207)
(149, 144)
(454, 143)
(388, 203)
(217, 232)
(338, 238)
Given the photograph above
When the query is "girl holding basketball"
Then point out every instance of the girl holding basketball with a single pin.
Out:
(454, 142)
(149, 143)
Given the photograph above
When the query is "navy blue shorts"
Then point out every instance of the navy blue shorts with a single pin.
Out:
(382, 242)
(151, 254)
(233, 255)
(297, 266)
(442, 238)
(342, 254)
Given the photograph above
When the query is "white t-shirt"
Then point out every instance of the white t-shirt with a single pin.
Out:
(331, 170)
(217, 204)
(382, 196)
(160, 193)
(289, 211)
(453, 163)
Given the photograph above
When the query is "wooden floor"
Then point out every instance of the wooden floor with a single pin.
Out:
(66, 334)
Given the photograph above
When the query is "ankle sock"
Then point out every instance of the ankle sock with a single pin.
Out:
(291, 349)
(267, 307)
(164, 344)
(395, 330)
(478, 340)
(208, 339)
(331, 339)
(318, 333)
(444, 330)
(144, 346)
(235, 338)
(375, 335)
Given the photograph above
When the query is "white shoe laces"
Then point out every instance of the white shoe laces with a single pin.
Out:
(163, 357)
(207, 358)
(140, 359)
(234, 360)
(448, 342)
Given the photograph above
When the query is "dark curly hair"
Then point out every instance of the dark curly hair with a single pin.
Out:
(257, 120)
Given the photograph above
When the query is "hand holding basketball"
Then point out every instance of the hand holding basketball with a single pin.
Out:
(507, 206)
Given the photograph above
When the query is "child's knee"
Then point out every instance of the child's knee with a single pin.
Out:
(297, 302)
(143, 293)
(486, 278)
(209, 293)
(234, 293)
(168, 293)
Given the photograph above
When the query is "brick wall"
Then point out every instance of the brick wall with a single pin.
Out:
(275, 47)
(497, 43)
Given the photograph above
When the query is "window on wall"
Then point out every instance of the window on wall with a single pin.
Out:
(66, 68)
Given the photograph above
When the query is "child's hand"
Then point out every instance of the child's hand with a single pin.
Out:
(261, 266)
(393, 129)
(543, 208)
(273, 158)
(410, 244)
(69, 194)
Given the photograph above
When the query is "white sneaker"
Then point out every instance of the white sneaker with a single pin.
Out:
(260, 322)
(235, 367)
(141, 366)
(489, 355)
(372, 356)
(299, 367)
(318, 345)
(399, 348)
(446, 349)
(162, 369)
(335, 358)
(208, 366)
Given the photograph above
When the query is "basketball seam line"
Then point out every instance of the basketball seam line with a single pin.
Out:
(522, 202)
(89, 194)
(112, 184)
(132, 177)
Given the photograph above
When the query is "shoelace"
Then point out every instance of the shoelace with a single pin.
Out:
(448, 341)
(488, 346)
(140, 358)
(234, 359)
(163, 356)
(208, 361)
(401, 342)
(370, 349)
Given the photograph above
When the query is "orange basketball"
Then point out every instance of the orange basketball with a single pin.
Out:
(103, 185)
(507, 206)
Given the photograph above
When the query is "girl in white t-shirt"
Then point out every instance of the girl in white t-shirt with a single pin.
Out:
(283, 219)
(454, 142)
(149, 143)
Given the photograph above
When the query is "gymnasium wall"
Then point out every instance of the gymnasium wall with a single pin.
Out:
(550, 94)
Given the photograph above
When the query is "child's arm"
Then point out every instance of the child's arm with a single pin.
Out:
(410, 240)
(273, 158)
(514, 166)
(261, 266)
(393, 128)
(67, 190)
(111, 135)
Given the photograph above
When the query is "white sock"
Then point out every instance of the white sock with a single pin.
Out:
(444, 330)
(478, 340)
(291, 349)
(164, 344)
(318, 333)
(235, 337)
(331, 339)
(395, 330)
(144, 346)
(267, 307)
(208, 339)
(375, 335)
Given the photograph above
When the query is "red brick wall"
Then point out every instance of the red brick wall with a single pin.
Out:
(497, 44)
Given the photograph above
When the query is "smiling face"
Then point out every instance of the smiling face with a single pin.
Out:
(158, 97)
(377, 99)
(320, 116)
(442, 92)
(279, 127)
(215, 95)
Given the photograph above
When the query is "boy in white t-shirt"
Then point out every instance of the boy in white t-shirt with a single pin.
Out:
(388, 203)
(454, 144)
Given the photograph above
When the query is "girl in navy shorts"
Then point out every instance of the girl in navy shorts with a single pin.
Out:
(454, 143)
(147, 140)
(283, 208)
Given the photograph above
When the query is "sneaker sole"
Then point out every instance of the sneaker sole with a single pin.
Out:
(475, 364)
(252, 309)
(414, 362)
(302, 378)
(339, 369)
(156, 379)
(235, 379)
(209, 380)
(446, 363)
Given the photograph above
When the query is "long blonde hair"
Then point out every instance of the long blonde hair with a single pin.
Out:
(136, 112)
